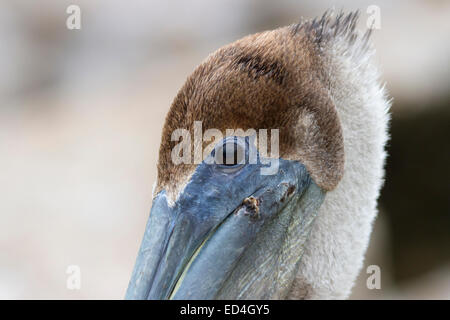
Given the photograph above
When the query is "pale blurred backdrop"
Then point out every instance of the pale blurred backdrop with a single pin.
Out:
(81, 113)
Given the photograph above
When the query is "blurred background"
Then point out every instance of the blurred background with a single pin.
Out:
(81, 113)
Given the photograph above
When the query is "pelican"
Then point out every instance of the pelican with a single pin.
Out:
(227, 230)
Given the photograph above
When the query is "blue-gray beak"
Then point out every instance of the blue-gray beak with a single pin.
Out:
(196, 247)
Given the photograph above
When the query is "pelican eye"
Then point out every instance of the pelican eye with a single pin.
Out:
(230, 155)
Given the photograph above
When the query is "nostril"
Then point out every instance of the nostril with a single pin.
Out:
(290, 190)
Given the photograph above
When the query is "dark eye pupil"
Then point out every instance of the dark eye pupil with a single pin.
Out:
(230, 154)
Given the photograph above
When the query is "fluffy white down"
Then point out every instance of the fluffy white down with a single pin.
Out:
(335, 252)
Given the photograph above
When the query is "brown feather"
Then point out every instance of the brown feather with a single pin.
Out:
(269, 80)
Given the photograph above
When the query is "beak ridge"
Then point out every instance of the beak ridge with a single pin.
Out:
(151, 249)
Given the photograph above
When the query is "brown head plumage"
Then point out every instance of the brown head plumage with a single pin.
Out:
(249, 235)
(272, 80)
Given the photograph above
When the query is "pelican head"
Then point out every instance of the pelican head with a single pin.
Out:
(276, 198)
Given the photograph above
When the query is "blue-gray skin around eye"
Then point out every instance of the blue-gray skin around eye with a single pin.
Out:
(220, 212)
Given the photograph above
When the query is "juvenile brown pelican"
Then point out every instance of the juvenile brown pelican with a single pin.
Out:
(226, 230)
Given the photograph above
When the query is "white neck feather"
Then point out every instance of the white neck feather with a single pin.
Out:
(335, 252)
